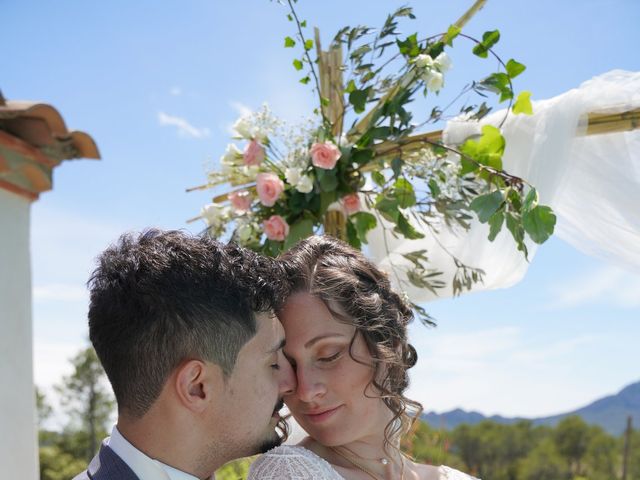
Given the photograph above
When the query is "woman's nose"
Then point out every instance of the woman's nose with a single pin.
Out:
(287, 378)
(311, 386)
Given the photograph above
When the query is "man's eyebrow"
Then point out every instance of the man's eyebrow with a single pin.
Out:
(279, 346)
(314, 340)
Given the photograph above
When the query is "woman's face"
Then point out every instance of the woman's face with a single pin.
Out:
(330, 402)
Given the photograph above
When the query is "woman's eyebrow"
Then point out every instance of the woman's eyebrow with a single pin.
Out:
(314, 340)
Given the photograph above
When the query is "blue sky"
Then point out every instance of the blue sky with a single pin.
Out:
(158, 84)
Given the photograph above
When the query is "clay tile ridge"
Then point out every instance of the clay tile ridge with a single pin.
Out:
(40, 124)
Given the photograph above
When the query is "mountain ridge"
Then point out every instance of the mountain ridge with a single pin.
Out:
(609, 412)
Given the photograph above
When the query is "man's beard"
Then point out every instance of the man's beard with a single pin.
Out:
(275, 440)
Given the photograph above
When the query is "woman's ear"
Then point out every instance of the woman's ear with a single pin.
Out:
(196, 384)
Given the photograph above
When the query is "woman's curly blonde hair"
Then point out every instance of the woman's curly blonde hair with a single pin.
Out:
(343, 277)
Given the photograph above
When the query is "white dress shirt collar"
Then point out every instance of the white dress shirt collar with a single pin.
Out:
(144, 467)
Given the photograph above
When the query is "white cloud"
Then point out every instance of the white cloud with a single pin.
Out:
(185, 129)
(608, 285)
(175, 91)
(60, 292)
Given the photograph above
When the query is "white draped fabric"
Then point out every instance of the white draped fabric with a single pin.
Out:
(591, 182)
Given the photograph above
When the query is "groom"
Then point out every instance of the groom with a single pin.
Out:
(184, 328)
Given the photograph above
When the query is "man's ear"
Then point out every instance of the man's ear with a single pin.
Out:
(196, 383)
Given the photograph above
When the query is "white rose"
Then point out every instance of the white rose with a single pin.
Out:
(292, 175)
(251, 171)
(243, 128)
(245, 232)
(305, 184)
(434, 80)
(443, 62)
(423, 60)
(231, 155)
(213, 214)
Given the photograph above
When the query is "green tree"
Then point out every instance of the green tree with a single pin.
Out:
(43, 408)
(544, 463)
(602, 458)
(88, 401)
(572, 440)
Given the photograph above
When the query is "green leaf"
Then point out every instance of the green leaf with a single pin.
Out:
(495, 225)
(452, 33)
(329, 181)
(396, 166)
(358, 98)
(352, 236)
(523, 104)
(363, 221)
(388, 207)
(289, 42)
(361, 156)
(297, 64)
(531, 200)
(308, 44)
(289, 17)
(487, 150)
(514, 68)
(409, 47)
(299, 230)
(486, 205)
(434, 188)
(498, 83)
(303, 24)
(351, 86)
(539, 223)
(517, 232)
(305, 80)
(326, 199)
(405, 228)
(378, 178)
(404, 193)
(489, 39)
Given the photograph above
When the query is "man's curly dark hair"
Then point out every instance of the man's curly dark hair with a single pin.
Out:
(160, 297)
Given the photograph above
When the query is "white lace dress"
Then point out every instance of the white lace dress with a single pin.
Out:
(297, 463)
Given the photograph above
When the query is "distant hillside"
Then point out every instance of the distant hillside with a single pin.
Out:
(610, 413)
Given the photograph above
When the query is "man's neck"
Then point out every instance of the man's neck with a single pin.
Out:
(162, 441)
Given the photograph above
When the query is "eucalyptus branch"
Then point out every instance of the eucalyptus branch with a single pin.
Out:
(306, 53)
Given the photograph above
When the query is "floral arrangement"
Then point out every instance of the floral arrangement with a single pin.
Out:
(288, 182)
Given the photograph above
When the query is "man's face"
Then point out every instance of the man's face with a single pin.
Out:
(253, 392)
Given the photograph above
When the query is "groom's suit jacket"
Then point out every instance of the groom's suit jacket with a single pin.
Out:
(106, 465)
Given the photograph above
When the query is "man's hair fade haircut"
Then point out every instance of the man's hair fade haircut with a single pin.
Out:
(161, 297)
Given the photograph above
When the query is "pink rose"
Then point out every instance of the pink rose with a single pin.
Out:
(240, 201)
(324, 155)
(269, 187)
(351, 203)
(276, 228)
(253, 153)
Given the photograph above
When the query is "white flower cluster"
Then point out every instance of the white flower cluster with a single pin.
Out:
(216, 217)
(301, 182)
(259, 125)
(433, 69)
(234, 169)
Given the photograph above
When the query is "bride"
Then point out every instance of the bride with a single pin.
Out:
(346, 338)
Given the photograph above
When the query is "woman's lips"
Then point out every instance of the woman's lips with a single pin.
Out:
(321, 416)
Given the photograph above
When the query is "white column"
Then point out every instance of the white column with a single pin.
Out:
(18, 431)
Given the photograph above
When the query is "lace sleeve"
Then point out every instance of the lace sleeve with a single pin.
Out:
(447, 473)
(291, 463)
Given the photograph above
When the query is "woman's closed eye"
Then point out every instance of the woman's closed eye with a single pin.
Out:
(330, 358)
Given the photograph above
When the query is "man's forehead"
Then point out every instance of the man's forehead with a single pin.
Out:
(270, 330)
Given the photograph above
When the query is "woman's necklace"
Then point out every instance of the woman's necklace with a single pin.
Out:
(359, 466)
